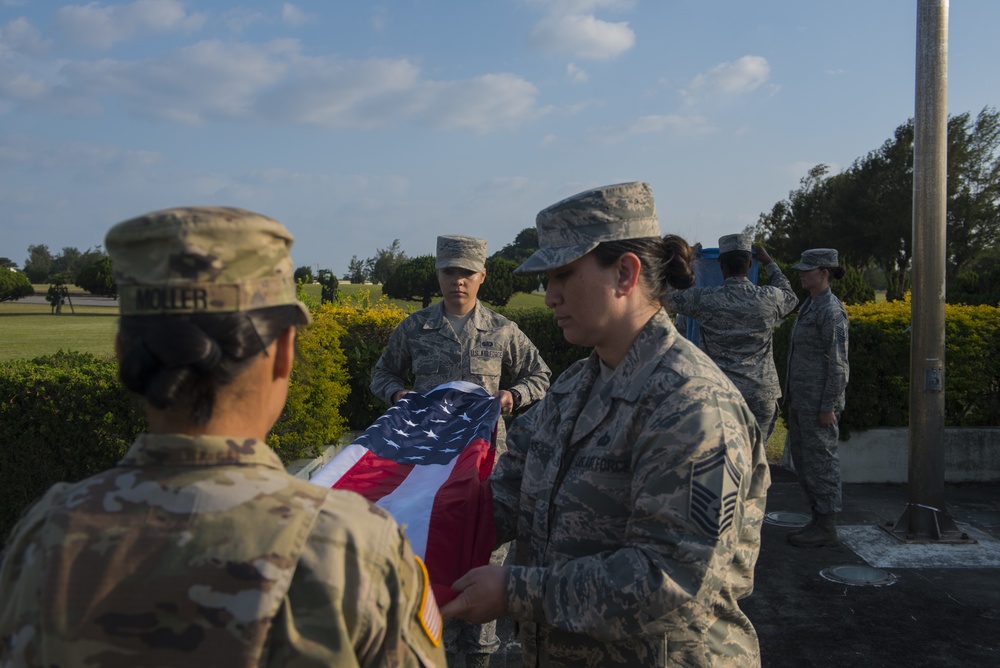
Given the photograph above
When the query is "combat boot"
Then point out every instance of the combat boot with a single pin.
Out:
(812, 523)
(821, 534)
(477, 660)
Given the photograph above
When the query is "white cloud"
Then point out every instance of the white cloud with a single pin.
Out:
(82, 160)
(733, 78)
(583, 36)
(101, 27)
(20, 87)
(576, 74)
(214, 81)
(22, 37)
(293, 16)
(655, 124)
(481, 104)
(238, 20)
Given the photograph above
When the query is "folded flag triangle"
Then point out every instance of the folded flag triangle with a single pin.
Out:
(427, 460)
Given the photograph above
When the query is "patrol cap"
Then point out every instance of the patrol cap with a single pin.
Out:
(815, 258)
(734, 242)
(458, 250)
(202, 260)
(570, 229)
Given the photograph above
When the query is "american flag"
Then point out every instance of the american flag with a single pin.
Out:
(427, 461)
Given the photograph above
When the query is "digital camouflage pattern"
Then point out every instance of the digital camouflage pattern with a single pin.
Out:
(424, 351)
(737, 322)
(735, 242)
(570, 229)
(203, 551)
(458, 250)
(201, 260)
(818, 372)
(814, 258)
(629, 515)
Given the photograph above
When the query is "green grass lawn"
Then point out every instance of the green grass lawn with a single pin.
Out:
(519, 300)
(30, 330)
(776, 444)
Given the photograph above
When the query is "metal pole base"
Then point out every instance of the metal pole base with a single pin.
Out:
(923, 524)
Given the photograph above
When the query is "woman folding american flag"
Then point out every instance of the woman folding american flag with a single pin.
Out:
(427, 460)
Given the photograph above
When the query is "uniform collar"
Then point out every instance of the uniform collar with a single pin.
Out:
(629, 382)
(183, 450)
(436, 318)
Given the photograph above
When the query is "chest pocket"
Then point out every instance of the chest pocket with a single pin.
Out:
(490, 364)
(807, 332)
(426, 366)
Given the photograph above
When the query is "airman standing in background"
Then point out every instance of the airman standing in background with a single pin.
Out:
(816, 385)
(737, 321)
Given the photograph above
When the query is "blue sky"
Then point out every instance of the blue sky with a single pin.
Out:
(357, 123)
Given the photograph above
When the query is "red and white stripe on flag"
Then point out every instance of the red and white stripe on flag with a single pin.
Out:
(427, 460)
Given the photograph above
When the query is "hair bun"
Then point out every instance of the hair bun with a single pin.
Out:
(211, 359)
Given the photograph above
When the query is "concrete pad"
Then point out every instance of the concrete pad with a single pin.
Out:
(881, 550)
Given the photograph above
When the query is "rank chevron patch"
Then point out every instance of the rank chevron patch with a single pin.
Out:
(715, 486)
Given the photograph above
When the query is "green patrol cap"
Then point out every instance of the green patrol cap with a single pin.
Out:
(815, 258)
(570, 229)
(206, 259)
(458, 250)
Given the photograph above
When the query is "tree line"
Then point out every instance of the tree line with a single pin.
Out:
(415, 278)
(864, 211)
(89, 270)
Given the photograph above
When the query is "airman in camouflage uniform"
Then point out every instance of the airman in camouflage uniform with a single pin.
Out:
(817, 378)
(625, 487)
(200, 550)
(427, 350)
(737, 322)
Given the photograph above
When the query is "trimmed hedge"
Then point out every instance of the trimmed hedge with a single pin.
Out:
(879, 354)
(66, 416)
(318, 389)
(62, 417)
(367, 328)
(540, 327)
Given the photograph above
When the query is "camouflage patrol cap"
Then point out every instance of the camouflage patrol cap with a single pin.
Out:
(734, 242)
(570, 229)
(458, 250)
(201, 260)
(815, 258)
